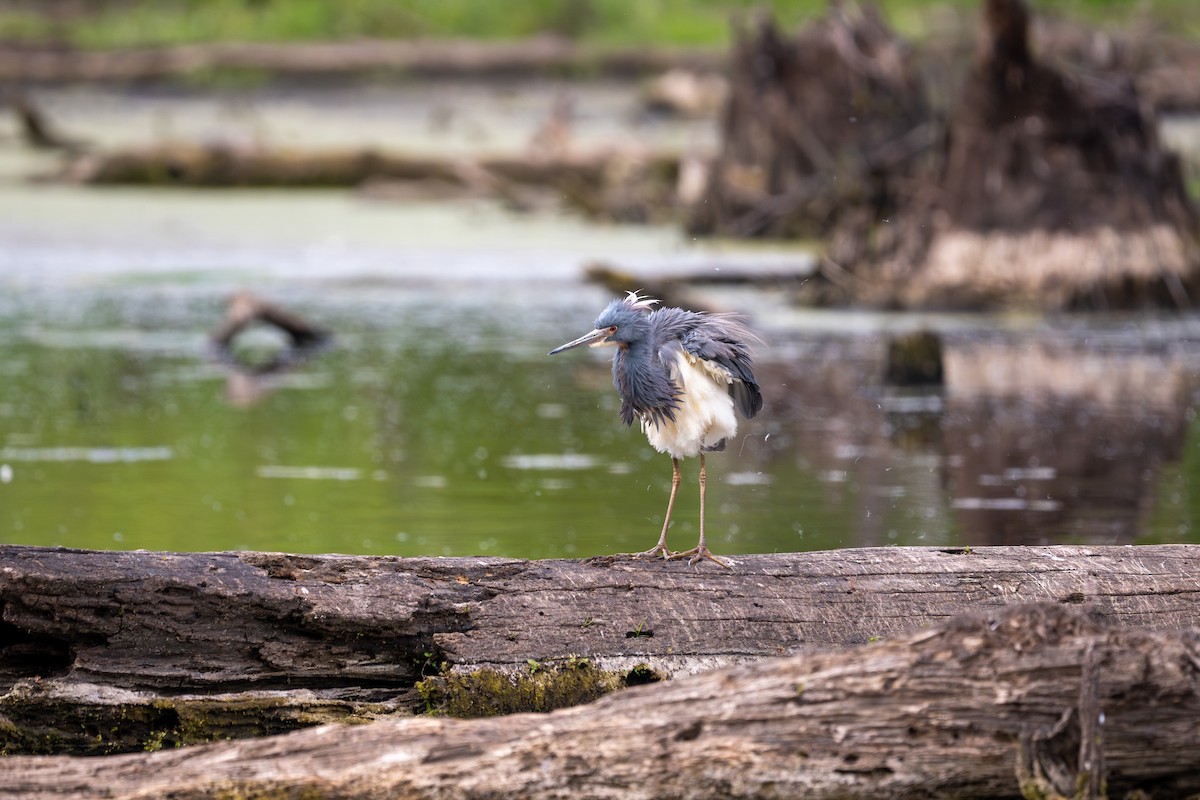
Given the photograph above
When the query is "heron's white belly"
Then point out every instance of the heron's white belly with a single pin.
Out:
(705, 414)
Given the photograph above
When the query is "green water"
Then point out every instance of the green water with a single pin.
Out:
(119, 432)
(437, 425)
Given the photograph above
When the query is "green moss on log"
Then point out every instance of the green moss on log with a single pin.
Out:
(540, 687)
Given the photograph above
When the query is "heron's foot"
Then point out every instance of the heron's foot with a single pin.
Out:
(697, 554)
(659, 549)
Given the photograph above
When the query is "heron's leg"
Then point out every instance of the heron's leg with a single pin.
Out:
(661, 547)
(701, 550)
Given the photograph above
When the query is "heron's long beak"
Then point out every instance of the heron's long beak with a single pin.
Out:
(594, 338)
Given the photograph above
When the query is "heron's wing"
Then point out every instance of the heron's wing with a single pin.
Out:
(722, 342)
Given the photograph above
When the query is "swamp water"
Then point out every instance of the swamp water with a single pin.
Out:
(436, 424)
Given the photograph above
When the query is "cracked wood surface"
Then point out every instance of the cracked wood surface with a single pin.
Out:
(224, 621)
(1038, 698)
(322, 638)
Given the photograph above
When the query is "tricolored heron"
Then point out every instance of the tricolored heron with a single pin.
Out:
(682, 374)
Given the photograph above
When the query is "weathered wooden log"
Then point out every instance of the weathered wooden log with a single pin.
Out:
(106, 651)
(433, 57)
(1037, 701)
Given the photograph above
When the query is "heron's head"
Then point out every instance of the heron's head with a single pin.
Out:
(621, 324)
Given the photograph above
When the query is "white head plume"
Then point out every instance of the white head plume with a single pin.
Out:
(635, 300)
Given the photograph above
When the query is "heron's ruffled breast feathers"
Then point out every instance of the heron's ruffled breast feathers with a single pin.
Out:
(646, 388)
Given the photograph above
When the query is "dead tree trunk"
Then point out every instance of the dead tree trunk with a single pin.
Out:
(816, 125)
(110, 651)
(1054, 192)
(1037, 701)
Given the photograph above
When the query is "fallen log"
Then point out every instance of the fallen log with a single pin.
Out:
(622, 185)
(1038, 700)
(225, 165)
(424, 57)
(111, 651)
(600, 182)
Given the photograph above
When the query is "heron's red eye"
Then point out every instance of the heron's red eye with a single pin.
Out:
(612, 329)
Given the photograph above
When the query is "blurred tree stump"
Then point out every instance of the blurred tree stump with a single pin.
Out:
(1054, 192)
(1045, 189)
(816, 126)
(105, 652)
(1037, 700)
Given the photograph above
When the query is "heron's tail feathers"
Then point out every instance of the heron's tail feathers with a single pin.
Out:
(746, 397)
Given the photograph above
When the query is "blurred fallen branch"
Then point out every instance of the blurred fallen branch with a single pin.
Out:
(245, 310)
(36, 128)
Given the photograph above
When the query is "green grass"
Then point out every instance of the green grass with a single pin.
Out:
(606, 22)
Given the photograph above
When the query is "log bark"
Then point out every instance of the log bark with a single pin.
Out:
(1038, 700)
(109, 651)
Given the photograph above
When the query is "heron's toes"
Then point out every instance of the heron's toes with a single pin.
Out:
(657, 550)
(698, 554)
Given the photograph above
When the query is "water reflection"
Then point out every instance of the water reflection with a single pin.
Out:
(1034, 438)
(1051, 441)
(411, 440)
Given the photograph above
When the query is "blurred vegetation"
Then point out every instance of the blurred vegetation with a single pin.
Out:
(122, 23)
